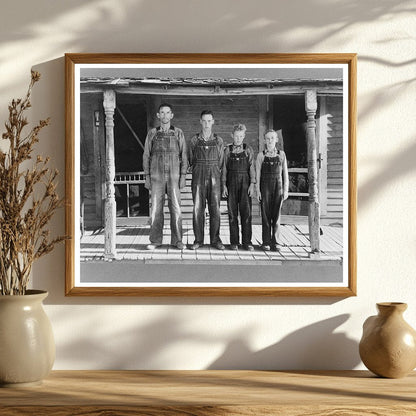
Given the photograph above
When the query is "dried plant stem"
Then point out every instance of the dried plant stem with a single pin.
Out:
(24, 217)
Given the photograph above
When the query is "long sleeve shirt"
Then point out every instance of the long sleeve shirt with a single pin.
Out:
(285, 174)
(239, 149)
(147, 154)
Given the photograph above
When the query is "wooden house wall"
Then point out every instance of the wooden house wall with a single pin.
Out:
(92, 159)
(335, 160)
(227, 112)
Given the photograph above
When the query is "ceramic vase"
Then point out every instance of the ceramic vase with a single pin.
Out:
(27, 347)
(388, 345)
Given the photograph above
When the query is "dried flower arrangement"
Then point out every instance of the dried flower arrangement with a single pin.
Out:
(28, 199)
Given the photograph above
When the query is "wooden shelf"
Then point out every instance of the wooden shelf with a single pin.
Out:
(203, 393)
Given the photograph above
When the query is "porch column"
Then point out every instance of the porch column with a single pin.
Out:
(110, 172)
(263, 119)
(313, 211)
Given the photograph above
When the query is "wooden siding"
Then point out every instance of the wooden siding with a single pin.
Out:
(93, 159)
(227, 112)
(335, 160)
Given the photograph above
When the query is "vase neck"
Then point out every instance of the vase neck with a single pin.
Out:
(390, 308)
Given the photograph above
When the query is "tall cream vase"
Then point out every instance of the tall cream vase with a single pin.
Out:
(27, 346)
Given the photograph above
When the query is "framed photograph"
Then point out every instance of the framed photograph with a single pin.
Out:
(211, 174)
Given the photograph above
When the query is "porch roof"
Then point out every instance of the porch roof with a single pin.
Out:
(209, 82)
(210, 86)
(204, 81)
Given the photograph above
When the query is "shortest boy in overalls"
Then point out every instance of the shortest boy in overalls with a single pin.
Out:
(272, 188)
(239, 178)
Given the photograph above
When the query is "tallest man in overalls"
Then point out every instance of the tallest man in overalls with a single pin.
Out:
(165, 164)
(206, 155)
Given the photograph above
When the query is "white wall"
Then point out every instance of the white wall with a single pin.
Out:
(199, 333)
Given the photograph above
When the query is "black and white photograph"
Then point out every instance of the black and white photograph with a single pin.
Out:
(210, 176)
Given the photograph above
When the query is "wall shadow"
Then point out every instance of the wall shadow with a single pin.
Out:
(150, 345)
(140, 347)
(314, 347)
(132, 18)
(128, 26)
(397, 166)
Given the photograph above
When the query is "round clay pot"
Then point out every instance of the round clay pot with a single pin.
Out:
(27, 347)
(388, 345)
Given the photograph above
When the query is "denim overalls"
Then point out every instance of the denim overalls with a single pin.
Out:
(206, 186)
(271, 188)
(238, 182)
(164, 174)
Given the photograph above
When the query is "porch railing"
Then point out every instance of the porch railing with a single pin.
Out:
(128, 179)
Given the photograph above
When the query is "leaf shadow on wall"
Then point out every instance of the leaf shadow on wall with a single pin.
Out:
(395, 168)
(145, 345)
(154, 344)
(118, 23)
(400, 164)
(134, 25)
(316, 346)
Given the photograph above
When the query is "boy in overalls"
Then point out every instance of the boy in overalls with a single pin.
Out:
(272, 189)
(239, 178)
(165, 164)
(206, 155)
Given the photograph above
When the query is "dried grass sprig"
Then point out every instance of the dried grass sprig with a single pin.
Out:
(28, 199)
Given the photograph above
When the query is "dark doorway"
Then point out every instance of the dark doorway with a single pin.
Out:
(130, 129)
(289, 117)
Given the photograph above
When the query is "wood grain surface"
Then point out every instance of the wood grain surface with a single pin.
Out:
(202, 393)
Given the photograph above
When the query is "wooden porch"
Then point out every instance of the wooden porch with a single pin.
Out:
(131, 244)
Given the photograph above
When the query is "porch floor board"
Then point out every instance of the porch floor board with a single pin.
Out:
(131, 244)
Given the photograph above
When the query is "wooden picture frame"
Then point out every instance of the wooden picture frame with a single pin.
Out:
(309, 99)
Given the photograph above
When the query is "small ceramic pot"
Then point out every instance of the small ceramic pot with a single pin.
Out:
(27, 347)
(388, 345)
